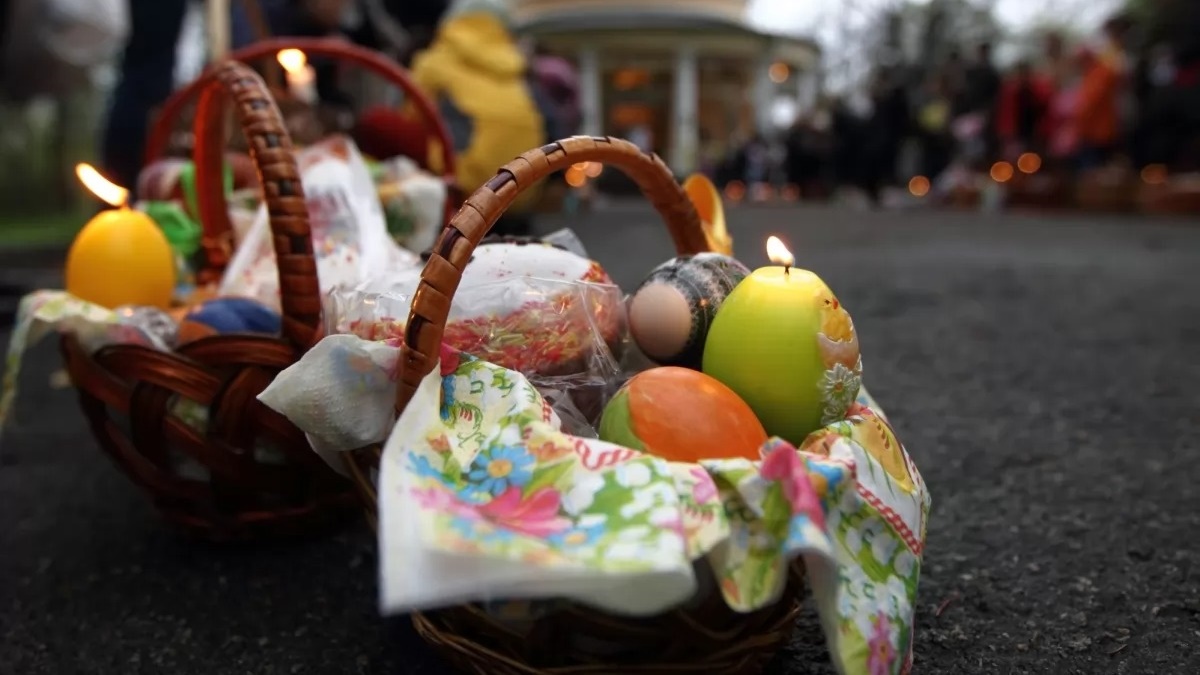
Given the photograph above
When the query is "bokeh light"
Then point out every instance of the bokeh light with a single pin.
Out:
(1029, 162)
(592, 169)
(762, 192)
(1154, 174)
(735, 191)
(576, 177)
(790, 193)
(779, 72)
(1002, 172)
(918, 186)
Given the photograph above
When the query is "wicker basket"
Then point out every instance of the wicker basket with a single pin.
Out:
(129, 393)
(709, 638)
(218, 239)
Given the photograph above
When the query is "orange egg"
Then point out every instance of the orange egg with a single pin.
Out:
(682, 415)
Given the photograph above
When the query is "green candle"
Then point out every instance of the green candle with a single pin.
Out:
(787, 347)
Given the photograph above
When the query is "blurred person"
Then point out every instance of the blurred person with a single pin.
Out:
(478, 77)
(933, 127)
(846, 130)
(1058, 65)
(147, 66)
(711, 154)
(977, 103)
(556, 79)
(1114, 50)
(1022, 111)
(641, 136)
(1096, 117)
(808, 147)
(757, 162)
(416, 19)
(886, 128)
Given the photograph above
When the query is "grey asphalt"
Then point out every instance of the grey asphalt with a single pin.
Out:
(1042, 372)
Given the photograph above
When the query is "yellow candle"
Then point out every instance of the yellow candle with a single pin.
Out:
(120, 257)
(784, 343)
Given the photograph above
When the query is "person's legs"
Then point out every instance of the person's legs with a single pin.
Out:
(147, 71)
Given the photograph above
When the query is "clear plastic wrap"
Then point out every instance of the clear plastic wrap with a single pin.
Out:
(350, 239)
(548, 313)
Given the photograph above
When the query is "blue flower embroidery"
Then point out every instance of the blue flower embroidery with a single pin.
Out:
(420, 465)
(577, 536)
(447, 396)
(481, 531)
(797, 535)
(833, 475)
(501, 467)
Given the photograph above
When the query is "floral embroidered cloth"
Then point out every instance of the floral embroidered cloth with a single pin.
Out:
(483, 498)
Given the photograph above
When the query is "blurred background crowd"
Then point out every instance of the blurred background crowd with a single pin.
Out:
(908, 97)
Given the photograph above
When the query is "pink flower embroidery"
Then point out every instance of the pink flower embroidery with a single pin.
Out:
(881, 654)
(785, 465)
(535, 515)
(705, 489)
(450, 359)
(442, 500)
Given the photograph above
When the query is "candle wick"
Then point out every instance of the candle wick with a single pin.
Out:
(787, 271)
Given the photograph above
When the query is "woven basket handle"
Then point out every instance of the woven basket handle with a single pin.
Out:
(450, 255)
(271, 152)
(218, 234)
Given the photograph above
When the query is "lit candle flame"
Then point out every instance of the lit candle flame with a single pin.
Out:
(100, 186)
(292, 60)
(778, 253)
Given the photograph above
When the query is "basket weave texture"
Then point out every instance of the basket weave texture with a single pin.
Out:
(262, 478)
(708, 638)
(218, 232)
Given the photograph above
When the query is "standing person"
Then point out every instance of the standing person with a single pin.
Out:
(1021, 111)
(1097, 115)
(885, 134)
(1058, 65)
(147, 68)
(757, 161)
(978, 102)
(477, 75)
(933, 127)
(847, 132)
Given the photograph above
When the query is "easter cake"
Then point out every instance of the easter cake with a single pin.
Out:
(525, 305)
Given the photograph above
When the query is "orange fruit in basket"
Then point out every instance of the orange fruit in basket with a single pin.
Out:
(682, 415)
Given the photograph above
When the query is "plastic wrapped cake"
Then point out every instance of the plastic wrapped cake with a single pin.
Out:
(527, 306)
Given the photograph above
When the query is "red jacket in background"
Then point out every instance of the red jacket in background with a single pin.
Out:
(1041, 92)
(1097, 115)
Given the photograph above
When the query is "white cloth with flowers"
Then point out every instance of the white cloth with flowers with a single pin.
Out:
(483, 498)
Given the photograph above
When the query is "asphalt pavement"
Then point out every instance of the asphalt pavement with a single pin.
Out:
(1042, 372)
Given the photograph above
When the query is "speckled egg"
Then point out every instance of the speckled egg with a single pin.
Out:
(669, 314)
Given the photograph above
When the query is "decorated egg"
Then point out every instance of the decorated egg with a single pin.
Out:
(669, 314)
(223, 316)
(681, 415)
